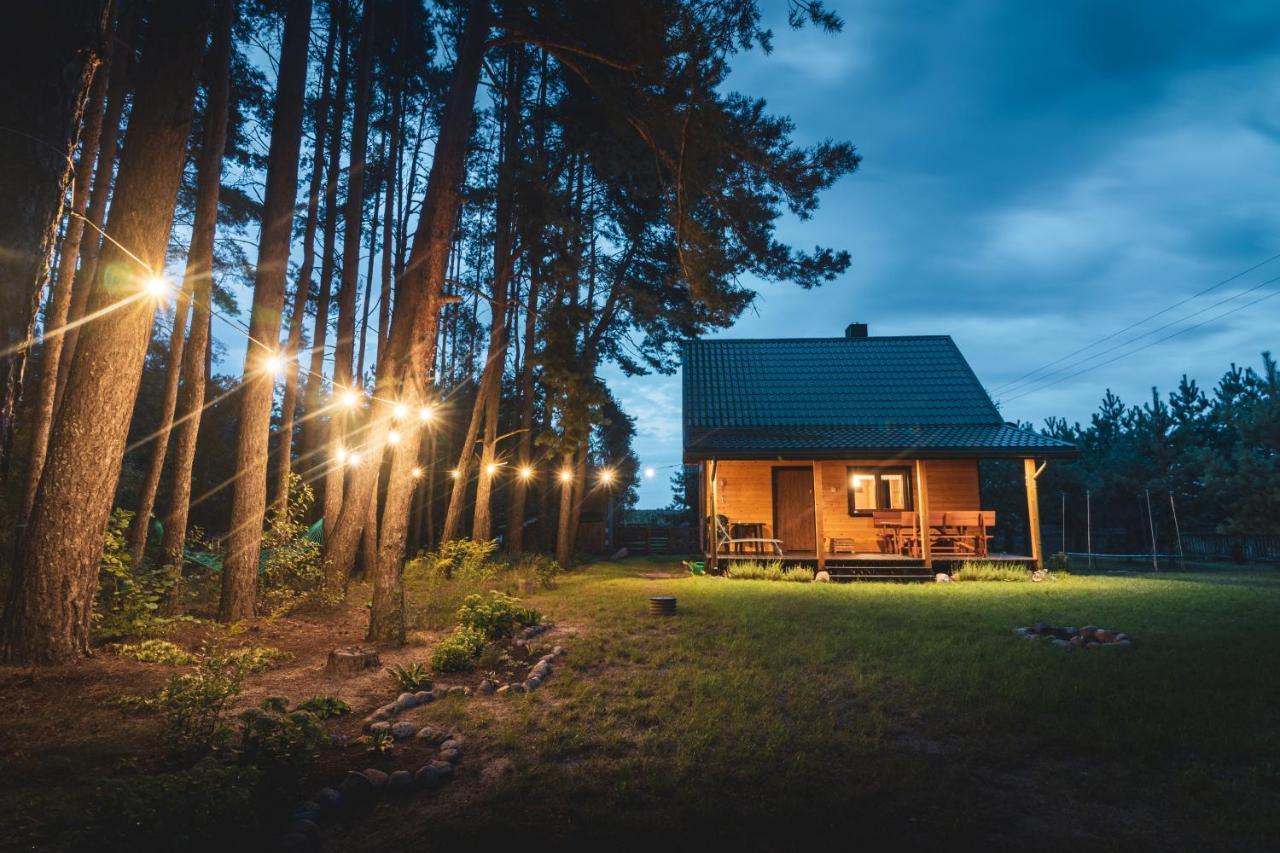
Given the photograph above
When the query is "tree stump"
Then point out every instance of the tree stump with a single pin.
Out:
(352, 660)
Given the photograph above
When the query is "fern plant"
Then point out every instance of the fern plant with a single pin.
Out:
(410, 678)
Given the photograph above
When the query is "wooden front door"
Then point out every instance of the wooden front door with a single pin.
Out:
(793, 508)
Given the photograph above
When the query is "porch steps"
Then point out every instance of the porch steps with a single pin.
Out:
(880, 573)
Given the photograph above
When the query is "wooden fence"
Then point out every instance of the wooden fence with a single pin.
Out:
(657, 539)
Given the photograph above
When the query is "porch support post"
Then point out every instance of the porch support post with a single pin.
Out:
(713, 499)
(1033, 510)
(817, 515)
(922, 512)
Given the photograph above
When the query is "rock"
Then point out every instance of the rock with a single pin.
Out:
(389, 710)
(383, 726)
(1121, 636)
(532, 684)
(1025, 633)
(487, 687)
(1060, 643)
(431, 734)
(402, 730)
(558, 651)
(822, 577)
(376, 778)
(305, 828)
(942, 577)
(310, 810)
(1040, 627)
(429, 776)
(451, 743)
(453, 756)
(355, 787)
(405, 701)
(329, 800)
(506, 688)
(424, 696)
(1078, 640)
(1088, 629)
(541, 668)
(352, 660)
(400, 782)
(443, 767)
(1122, 644)
(1102, 635)
(518, 688)
(457, 690)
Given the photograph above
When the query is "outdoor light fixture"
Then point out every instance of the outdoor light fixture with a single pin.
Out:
(353, 458)
(455, 473)
(400, 411)
(350, 399)
(525, 472)
(491, 468)
(606, 475)
(416, 473)
(566, 475)
(340, 454)
(650, 473)
(426, 413)
(156, 286)
(393, 437)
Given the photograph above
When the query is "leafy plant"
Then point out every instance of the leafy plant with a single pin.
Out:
(156, 651)
(292, 570)
(279, 742)
(798, 574)
(194, 706)
(755, 570)
(987, 570)
(496, 616)
(456, 652)
(253, 659)
(325, 707)
(129, 597)
(539, 566)
(380, 742)
(410, 678)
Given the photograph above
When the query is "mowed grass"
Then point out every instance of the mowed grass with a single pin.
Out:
(765, 714)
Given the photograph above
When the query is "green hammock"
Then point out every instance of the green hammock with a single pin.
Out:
(212, 562)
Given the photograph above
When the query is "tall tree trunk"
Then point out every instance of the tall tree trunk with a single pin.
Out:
(118, 77)
(411, 345)
(462, 471)
(344, 344)
(49, 56)
(60, 300)
(312, 426)
(199, 279)
(564, 538)
(56, 573)
(249, 501)
(302, 289)
(524, 451)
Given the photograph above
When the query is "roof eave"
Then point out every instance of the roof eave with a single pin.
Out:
(693, 455)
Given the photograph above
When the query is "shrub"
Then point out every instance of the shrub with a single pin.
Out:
(1059, 563)
(495, 617)
(279, 742)
(380, 743)
(194, 705)
(798, 574)
(755, 570)
(292, 570)
(466, 560)
(410, 678)
(540, 567)
(986, 570)
(456, 652)
(325, 707)
(129, 597)
(156, 651)
(252, 659)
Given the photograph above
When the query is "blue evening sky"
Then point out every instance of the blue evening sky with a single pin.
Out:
(1036, 176)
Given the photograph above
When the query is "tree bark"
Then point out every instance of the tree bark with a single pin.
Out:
(302, 289)
(419, 296)
(564, 541)
(117, 89)
(524, 451)
(56, 574)
(60, 300)
(249, 501)
(336, 576)
(199, 277)
(49, 56)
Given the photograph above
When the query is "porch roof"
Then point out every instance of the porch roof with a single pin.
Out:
(879, 397)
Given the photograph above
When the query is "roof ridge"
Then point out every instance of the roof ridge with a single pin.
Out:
(815, 339)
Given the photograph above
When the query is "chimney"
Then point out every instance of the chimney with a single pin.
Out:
(856, 330)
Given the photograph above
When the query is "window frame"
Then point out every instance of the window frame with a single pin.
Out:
(881, 487)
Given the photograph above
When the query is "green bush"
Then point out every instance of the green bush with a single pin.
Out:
(129, 597)
(466, 560)
(755, 570)
(539, 567)
(325, 707)
(410, 678)
(280, 743)
(251, 659)
(798, 574)
(194, 706)
(292, 569)
(495, 617)
(156, 651)
(987, 570)
(456, 652)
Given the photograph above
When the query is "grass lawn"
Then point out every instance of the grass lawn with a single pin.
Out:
(906, 715)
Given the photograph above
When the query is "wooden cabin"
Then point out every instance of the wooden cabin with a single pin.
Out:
(855, 453)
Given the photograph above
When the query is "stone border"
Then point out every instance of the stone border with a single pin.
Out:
(1071, 638)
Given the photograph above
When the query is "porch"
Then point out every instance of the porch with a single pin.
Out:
(855, 517)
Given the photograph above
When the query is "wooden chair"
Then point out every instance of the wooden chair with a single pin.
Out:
(964, 532)
(888, 528)
(909, 534)
(726, 544)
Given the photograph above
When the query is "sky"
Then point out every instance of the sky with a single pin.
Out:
(1036, 177)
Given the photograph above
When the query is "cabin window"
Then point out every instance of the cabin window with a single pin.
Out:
(878, 488)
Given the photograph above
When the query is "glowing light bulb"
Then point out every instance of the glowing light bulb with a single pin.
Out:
(156, 285)
(455, 473)
(353, 459)
(491, 468)
(340, 454)
(650, 473)
(273, 364)
(400, 411)
(416, 473)
(350, 399)
(426, 413)
(606, 475)
(566, 475)
(393, 437)
(525, 472)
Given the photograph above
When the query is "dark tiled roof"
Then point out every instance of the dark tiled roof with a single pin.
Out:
(843, 396)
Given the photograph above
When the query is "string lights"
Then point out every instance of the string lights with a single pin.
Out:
(400, 411)
(393, 437)
(566, 475)
(156, 286)
(426, 413)
(416, 473)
